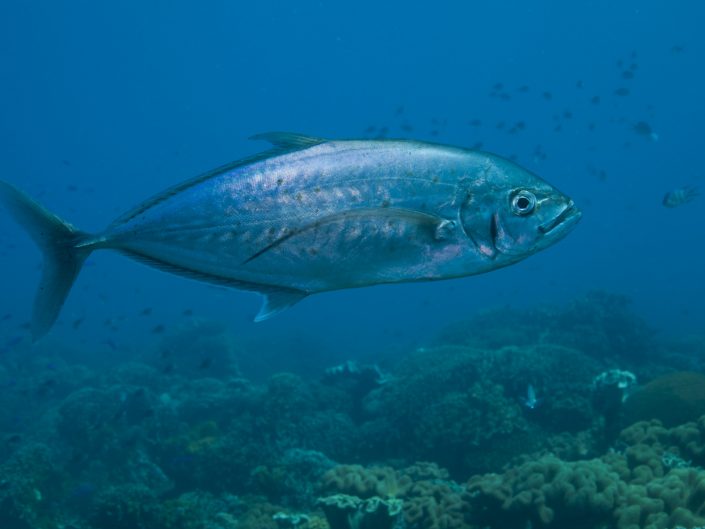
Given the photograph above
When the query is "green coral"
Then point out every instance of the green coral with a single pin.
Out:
(634, 489)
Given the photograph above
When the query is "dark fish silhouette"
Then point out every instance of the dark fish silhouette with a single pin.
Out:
(642, 128)
(680, 196)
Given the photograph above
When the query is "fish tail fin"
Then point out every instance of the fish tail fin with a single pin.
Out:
(61, 247)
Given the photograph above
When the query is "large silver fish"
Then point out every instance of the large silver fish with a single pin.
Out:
(313, 215)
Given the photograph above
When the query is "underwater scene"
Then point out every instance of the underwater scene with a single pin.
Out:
(334, 265)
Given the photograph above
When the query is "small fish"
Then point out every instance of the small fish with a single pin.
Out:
(475, 122)
(187, 312)
(622, 92)
(77, 323)
(523, 89)
(547, 96)
(6, 317)
(530, 401)
(146, 312)
(642, 128)
(158, 329)
(680, 196)
(627, 74)
(595, 100)
(676, 49)
(578, 84)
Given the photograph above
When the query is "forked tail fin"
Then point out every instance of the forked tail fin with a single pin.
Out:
(63, 257)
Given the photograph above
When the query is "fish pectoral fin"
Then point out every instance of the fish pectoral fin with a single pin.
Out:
(445, 229)
(276, 301)
(288, 140)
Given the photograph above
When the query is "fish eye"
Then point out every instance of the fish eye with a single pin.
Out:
(523, 203)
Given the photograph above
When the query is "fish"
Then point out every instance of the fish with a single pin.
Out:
(530, 401)
(642, 128)
(680, 196)
(314, 215)
(622, 92)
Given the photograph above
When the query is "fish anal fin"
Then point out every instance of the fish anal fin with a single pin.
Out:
(288, 140)
(276, 301)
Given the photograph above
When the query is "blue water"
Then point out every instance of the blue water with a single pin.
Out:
(104, 104)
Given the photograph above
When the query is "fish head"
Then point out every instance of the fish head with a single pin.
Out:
(514, 213)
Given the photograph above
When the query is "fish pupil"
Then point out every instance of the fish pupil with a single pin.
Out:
(523, 202)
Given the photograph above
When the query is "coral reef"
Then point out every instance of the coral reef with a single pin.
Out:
(674, 398)
(177, 438)
(351, 512)
(646, 486)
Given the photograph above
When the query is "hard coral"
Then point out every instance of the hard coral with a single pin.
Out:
(351, 512)
(673, 399)
(548, 492)
(356, 480)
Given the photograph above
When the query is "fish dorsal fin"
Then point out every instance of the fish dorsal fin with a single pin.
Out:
(276, 301)
(282, 142)
(289, 140)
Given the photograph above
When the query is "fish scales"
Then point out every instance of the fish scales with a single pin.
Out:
(264, 202)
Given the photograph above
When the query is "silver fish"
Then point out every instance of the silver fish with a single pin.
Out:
(680, 196)
(530, 401)
(313, 215)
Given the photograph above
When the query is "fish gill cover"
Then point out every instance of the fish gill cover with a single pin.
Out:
(434, 142)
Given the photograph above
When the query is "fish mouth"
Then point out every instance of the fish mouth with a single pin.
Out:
(564, 220)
